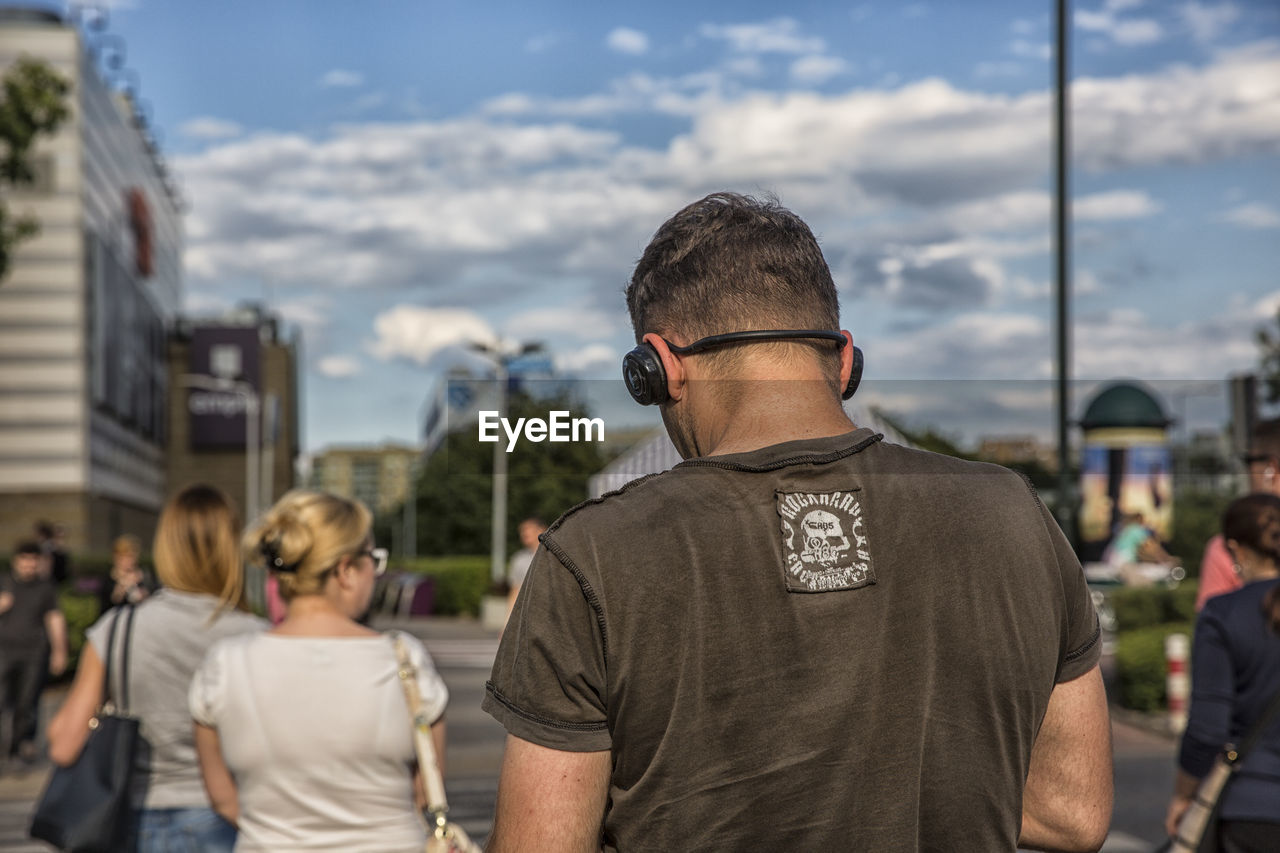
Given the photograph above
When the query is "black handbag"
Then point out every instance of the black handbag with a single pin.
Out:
(85, 808)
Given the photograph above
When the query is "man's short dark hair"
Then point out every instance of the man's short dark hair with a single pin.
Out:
(30, 547)
(731, 263)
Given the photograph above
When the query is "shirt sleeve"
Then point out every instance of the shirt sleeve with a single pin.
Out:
(1217, 572)
(49, 602)
(205, 698)
(1081, 633)
(99, 634)
(548, 684)
(431, 687)
(1212, 697)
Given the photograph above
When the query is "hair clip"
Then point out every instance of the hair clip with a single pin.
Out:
(270, 550)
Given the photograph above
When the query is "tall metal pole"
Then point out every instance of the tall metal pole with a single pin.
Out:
(498, 540)
(1062, 237)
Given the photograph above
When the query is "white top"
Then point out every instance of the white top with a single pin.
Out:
(317, 734)
(172, 630)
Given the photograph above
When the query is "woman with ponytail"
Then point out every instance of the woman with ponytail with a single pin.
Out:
(198, 563)
(1235, 672)
(303, 732)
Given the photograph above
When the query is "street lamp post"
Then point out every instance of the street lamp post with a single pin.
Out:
(501, 359)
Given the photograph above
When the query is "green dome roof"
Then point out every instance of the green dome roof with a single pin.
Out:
(1124, 405)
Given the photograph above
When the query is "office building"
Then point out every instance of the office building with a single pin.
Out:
(86, 308)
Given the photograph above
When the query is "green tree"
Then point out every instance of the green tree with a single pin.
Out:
(1197, 517)
(926, 438)
(1268, 338)
(455, 489)
(33, 102)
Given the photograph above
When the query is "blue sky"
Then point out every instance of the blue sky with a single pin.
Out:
(398, 177)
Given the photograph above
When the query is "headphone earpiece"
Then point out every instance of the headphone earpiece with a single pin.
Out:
(642, 372)
(855, 375)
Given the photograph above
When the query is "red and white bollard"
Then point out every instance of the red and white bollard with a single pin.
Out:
(1178, 684)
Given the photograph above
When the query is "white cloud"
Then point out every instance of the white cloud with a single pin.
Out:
(339, 366)
(417, 334)
(629, 41)
(781, 35)
(1025, 49)
(465, 209)
(594, 360)
(563, 322)
(340, 79)
(1207, 22)
(1124, 31)
(987, 70)
(542, 43)
(1254, 215)
(817, 68)
(207, 127)
(1118, 204)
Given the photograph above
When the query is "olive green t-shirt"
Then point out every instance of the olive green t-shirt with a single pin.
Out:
(829, 644)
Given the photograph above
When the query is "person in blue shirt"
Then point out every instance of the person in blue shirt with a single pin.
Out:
(1235, 672)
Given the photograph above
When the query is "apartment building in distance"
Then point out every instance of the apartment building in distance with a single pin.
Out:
(379, 476)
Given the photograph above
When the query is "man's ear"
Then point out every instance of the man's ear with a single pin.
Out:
(671, 365)
(846, 361)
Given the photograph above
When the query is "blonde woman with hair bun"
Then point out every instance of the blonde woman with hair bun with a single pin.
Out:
(303, 733)
(197, 559)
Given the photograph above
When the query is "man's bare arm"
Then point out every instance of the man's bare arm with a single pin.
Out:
(1066, 804)
(549, 801)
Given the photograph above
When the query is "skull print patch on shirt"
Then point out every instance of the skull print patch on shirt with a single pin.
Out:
(824, 541)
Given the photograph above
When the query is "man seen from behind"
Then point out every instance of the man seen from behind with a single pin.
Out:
(802, 637)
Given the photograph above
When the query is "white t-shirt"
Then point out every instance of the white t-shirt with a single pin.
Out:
(316, 732)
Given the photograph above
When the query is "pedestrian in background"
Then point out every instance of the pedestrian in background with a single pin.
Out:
(1262, 463)
(197, 556)
(518, 566)
(53, 549)
(1235, 675)
(127, 583)
(33, 644)
(303, 732)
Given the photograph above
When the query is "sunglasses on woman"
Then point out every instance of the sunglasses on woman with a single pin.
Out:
(379, 556)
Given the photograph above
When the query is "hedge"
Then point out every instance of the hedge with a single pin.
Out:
(80, 611)
(1140, 666)
(1144, 607)
(460, 582)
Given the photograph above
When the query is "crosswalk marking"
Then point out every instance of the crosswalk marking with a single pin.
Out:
(465, 654)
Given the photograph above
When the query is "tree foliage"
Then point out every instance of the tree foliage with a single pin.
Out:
(1268, 338)
(454, 492)
(33, 102)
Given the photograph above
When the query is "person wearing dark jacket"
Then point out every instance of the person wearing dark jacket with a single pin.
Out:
(1235, 667)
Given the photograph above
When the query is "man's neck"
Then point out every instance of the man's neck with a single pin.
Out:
(772, 419)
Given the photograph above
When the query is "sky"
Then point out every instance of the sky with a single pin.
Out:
(398, 178)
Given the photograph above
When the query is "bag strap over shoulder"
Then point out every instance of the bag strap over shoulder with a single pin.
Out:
(121, 695)
(437, 803)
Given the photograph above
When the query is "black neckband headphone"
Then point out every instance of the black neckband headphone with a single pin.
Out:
(647, 380)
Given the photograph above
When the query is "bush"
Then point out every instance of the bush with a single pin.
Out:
(80, 611)
(1141, 674)
(1144, 607)
(460, 582)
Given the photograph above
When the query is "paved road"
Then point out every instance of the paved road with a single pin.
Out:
(464, 652)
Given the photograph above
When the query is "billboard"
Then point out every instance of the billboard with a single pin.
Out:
(222, 355)
(1119, 480)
